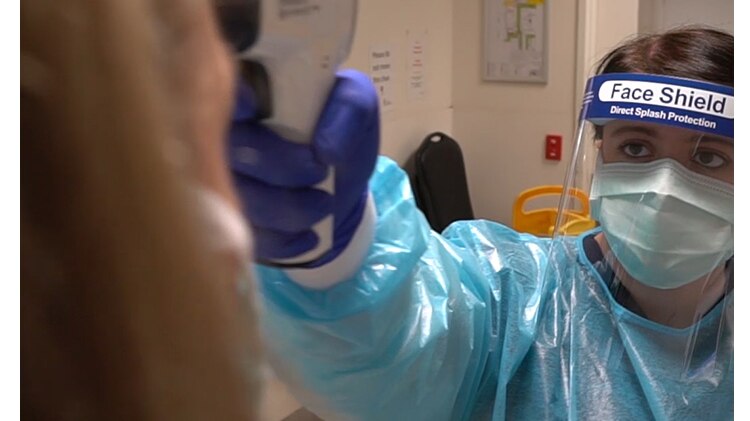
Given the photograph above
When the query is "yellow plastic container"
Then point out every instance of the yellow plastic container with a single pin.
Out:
(541, 222)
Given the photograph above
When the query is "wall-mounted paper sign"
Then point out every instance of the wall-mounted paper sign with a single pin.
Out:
(416, 77)
(381, 72)
(515, 35)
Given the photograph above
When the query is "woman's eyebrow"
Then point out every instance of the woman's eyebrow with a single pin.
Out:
(634, 129)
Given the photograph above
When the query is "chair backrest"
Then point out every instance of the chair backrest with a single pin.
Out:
(438, 178)
(541, 222)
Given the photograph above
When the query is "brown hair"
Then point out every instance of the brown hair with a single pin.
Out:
(125, 314)
(692, 52)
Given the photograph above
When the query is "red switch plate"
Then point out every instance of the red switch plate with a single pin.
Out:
(553, 147)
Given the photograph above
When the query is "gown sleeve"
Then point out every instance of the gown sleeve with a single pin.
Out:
(427, 328)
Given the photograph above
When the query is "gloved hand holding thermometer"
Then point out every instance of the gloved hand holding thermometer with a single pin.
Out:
(302, 171)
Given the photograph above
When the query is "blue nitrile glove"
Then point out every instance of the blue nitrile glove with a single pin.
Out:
(275, 178)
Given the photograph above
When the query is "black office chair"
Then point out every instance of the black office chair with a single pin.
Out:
(438, 179)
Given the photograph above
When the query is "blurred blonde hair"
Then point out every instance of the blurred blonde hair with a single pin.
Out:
(125, 314)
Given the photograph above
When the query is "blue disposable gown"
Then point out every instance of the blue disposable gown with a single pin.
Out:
(482, 322)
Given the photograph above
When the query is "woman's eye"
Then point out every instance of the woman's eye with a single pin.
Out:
(709, 159)
(636, 150)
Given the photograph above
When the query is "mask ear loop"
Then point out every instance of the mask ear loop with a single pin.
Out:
(697, 145)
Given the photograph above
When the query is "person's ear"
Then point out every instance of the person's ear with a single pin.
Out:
(598, 144)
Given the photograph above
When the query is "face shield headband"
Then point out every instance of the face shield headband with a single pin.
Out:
(686, 103)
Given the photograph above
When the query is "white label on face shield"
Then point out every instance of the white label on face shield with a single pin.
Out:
(680, 97)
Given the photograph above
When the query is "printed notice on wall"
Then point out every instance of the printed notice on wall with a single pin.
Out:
(515, 47)
(381, 72)
(416, 77)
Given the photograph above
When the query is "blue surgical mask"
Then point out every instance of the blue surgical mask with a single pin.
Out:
(665, 224)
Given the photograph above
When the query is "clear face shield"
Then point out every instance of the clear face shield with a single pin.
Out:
(654, 158)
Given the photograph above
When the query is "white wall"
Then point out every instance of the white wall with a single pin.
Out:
(393, 23)
(501, 126)
(658, 15)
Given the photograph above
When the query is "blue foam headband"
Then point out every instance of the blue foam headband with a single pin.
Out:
(687, 103)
